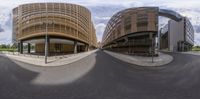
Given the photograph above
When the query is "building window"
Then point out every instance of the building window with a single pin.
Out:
(142, 26)
(127, 25)
(58, 47)
(142, 22)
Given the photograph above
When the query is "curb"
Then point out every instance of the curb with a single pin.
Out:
(136, 61)
(59, 62)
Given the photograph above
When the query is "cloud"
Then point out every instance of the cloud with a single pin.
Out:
(5, 25)
(5, 37)
(109, 2)
(1, 29)
(163, 21)
(102, 18)
(182, 4)
(104, 11)
(99, 30)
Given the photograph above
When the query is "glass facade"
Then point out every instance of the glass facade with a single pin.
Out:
(189, 32)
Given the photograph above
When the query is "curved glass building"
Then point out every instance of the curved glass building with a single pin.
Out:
(68, 27)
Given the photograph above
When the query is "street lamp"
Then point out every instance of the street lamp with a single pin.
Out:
(152, 49)
(46, 41)
(152, 46)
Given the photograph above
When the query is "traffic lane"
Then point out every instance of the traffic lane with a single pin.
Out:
(113, 79)
(178, 79)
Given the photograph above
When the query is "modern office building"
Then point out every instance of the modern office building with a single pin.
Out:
(67, 28)
(132, 31)
(177, 36)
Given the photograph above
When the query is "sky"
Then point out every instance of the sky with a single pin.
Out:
(102, 11)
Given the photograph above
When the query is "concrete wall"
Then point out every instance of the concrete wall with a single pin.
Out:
(176, 34)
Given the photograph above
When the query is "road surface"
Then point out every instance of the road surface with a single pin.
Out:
(100, 76)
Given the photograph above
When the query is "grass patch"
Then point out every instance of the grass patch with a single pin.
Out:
(8, 49)
(195, 49)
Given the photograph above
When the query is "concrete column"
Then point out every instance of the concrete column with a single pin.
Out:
(86, 47)
(150, 43)
(18, 47)
(21, 47)
(46, 50)
(29, 48)
(178, 48)
(183, 47)
(75, 47)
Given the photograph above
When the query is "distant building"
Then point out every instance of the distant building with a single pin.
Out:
(68, 26)
(99, 44)
(177, 36)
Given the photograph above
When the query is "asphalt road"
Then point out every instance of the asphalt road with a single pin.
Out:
(100, 76)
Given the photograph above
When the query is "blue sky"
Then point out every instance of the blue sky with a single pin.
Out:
(103, 10)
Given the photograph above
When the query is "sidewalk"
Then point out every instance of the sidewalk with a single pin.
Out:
(52, 61)
(191, 52)
(162, 59)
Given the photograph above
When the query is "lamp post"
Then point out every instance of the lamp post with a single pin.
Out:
(152, 49)
(46, 41)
